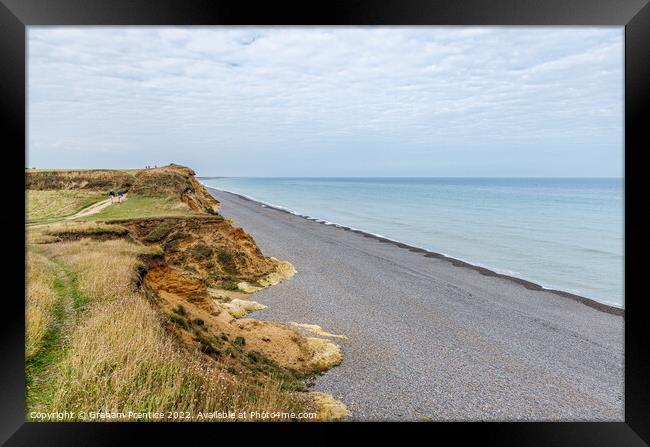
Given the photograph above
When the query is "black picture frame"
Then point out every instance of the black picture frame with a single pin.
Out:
(16, 15)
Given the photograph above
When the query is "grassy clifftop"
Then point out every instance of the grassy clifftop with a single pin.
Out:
(174, 183)
(141, 305)
(91, 179)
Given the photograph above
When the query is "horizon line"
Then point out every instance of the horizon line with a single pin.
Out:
(409, 176)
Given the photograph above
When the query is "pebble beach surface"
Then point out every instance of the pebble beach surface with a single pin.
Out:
(430, 340)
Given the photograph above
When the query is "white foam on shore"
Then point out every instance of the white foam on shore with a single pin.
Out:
(510, 273)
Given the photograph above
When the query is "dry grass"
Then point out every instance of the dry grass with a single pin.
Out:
(84, 179)
(40, 301)
(48, 233)
(104, 269)
(120, 358)
(83, 227)
(135, 366)
(51, 205)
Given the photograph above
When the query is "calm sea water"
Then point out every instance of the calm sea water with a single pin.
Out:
(561, 233)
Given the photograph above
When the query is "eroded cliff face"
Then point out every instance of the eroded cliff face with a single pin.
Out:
(201, 283)
(175, 181)
(200, 273)
(208, 246)
(167, 181)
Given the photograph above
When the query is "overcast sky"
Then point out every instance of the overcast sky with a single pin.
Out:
(419, 101)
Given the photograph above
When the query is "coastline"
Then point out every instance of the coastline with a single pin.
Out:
(182, 278)
(430, 339)
(431, 254)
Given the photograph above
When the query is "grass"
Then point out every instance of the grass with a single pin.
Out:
(79, 170)
(43, 303)
(115, 372)
(79, 229)
(139, 206)
(96, 341)
(52, 205)
(87, 180)
(119, 357)
(290, 380)
(104, 269)
(48, 317)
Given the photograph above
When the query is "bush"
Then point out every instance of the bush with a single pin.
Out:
(227, 260)
(179, 320)
(158, 232)
(208, 345)
(201, 251)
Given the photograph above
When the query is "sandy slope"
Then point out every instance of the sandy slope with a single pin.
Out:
(427, 339)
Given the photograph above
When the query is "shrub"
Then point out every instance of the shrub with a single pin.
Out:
(227, 260)
(158, 232)
(201, 251)
(229, 284)
(179, 320)
(207, 344)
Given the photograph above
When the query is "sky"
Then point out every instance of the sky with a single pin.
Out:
(329, 101)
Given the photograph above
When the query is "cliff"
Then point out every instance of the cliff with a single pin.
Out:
(196, 271)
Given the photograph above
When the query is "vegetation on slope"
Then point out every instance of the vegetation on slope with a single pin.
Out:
(91, 179)
(167, 191)
(50, 205)
(141, 206)
(130, 309)
(119, 356)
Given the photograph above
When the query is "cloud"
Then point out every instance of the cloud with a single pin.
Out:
(307, 100)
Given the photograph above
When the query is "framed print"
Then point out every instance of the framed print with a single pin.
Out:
(422, 215)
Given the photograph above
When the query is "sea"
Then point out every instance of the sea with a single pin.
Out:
(561, 233)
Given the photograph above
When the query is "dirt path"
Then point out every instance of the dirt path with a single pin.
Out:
(93, 209)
